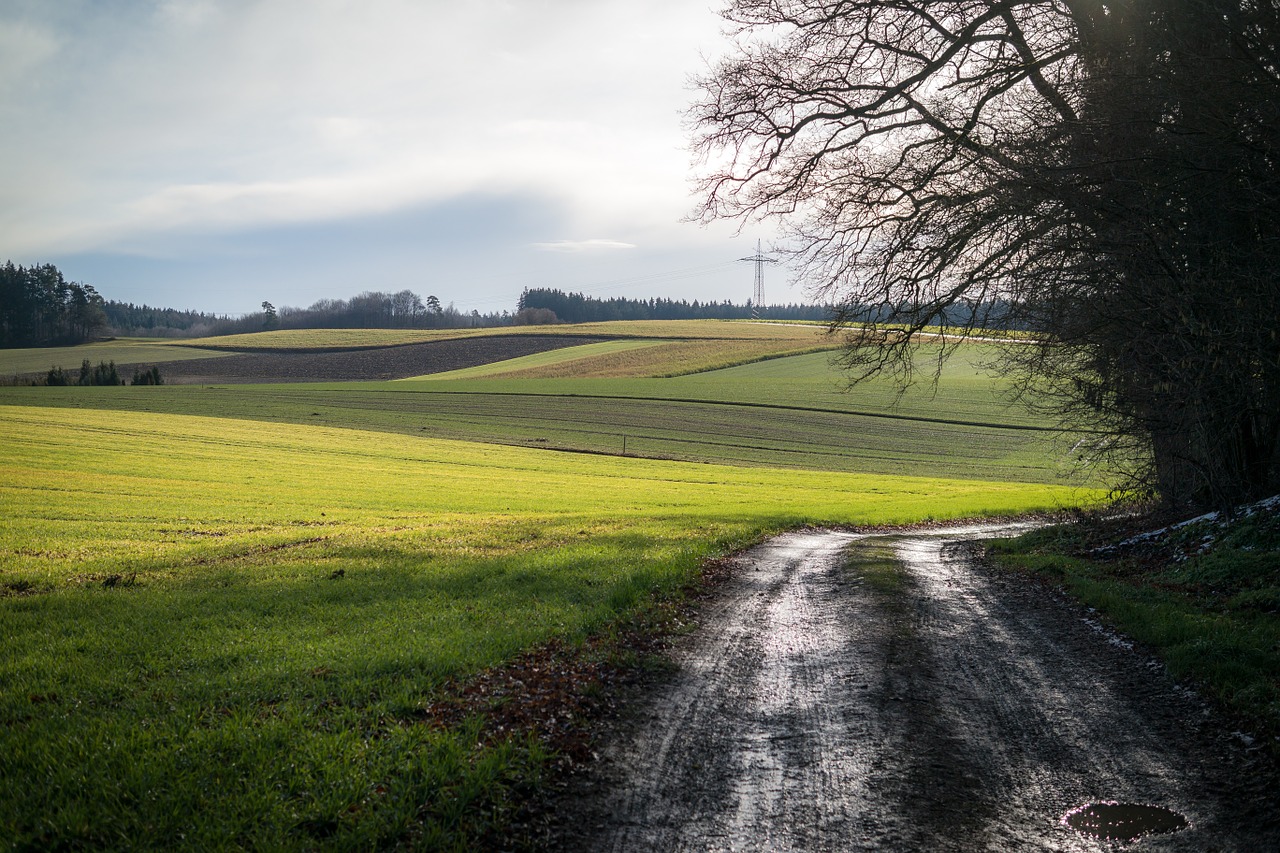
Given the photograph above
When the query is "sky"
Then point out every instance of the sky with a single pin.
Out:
(212, 154)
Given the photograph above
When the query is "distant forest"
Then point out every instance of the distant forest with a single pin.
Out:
(142, 321)
(377, 310)
(369, 310)
(577, 308)
(39, 307)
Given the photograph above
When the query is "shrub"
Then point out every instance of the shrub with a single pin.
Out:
(147, 377)
(536, 317)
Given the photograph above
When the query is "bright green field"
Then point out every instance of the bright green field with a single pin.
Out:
(235, 690)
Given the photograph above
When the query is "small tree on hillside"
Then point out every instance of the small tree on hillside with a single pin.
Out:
(147, 377)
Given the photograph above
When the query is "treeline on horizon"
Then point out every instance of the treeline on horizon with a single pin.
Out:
(377, 310)
(579, 308)
(407, 310)
(39, 308)
(549, 305)
(368, 310)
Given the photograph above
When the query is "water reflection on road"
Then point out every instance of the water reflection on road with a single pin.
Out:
(887, 692)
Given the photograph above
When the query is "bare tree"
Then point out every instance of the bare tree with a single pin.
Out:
(406, 308)
(1104, 174)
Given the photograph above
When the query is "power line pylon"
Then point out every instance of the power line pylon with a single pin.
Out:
(757, 299)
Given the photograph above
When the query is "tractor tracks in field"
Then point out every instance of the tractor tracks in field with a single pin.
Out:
(891, 692)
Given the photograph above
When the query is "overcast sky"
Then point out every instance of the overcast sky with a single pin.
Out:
(211, 154)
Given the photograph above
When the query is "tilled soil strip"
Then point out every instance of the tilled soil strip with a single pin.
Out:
(395, 362)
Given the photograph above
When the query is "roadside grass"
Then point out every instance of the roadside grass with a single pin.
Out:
(228, 634)
(122, 351)
(1209, 608)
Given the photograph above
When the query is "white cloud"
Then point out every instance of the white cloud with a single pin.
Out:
(204, 106)
(574, 246)
(143, 127)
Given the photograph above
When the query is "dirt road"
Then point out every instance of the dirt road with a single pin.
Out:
(891, 693)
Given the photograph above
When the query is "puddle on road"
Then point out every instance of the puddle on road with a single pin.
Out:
(1112, 821)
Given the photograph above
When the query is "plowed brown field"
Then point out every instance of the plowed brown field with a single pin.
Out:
(396, 362)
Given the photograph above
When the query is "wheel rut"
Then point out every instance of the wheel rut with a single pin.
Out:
(889, 692)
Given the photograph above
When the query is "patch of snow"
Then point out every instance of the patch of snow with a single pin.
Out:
(1109, 635)
(1271, 504)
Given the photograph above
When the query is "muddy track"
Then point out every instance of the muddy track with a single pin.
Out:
(833, 701)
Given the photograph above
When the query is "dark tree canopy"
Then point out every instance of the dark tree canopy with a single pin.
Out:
(39, 307)
(578, 308)
(379, 310)
(1106, 173)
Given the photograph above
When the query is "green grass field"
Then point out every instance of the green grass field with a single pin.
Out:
(122, 351)
(785, 412)
(228, 611)
(227, 633)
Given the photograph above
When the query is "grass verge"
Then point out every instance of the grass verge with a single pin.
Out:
(1204, 597)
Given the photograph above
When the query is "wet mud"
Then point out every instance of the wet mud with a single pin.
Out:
(1123, 821)
(851, 692)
